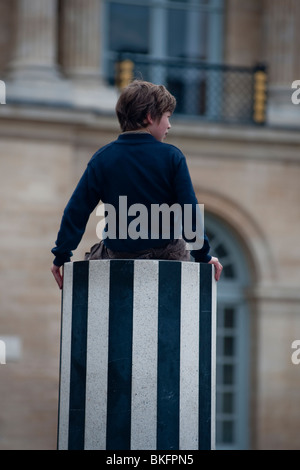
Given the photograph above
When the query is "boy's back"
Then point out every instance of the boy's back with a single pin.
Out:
(137, 166)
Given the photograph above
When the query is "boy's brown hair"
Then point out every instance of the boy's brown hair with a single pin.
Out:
(140, 99)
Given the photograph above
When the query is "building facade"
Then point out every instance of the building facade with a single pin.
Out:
(57, 63)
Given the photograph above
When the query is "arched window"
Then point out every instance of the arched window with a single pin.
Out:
(233, 338)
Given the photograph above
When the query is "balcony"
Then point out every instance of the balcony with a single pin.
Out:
(218, 93)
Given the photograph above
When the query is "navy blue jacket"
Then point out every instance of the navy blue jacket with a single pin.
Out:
(147, 172)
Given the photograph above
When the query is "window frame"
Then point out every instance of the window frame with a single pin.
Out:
(158, 30)
(231, 294)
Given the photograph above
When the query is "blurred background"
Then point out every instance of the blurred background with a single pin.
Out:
(230, 64)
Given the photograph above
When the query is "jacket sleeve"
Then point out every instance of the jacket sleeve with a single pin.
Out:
(83, 201)
(193, 229)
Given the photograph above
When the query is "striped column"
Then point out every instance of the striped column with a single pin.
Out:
(137, 356)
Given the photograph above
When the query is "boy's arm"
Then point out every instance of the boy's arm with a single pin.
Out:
(58, 275)
(192, 223)
(186, 195)
(75, 217)
(218, 267)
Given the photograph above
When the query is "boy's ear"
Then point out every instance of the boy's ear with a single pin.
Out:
(149, 119)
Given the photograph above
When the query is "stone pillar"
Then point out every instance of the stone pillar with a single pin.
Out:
(33, 75)
(80, 54)
(35, 55)
(282, 19)
(137, 356)
(81, 39)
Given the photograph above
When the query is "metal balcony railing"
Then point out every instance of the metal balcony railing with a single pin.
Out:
(222, 93)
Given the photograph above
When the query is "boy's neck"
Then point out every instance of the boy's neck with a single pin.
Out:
(137, 131)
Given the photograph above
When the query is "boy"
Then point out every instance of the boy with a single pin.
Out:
(137, 166)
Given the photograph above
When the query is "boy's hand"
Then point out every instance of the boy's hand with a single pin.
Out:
(57, 275)
(218, 267)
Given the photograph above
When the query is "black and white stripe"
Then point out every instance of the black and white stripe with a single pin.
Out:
(137, 356)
